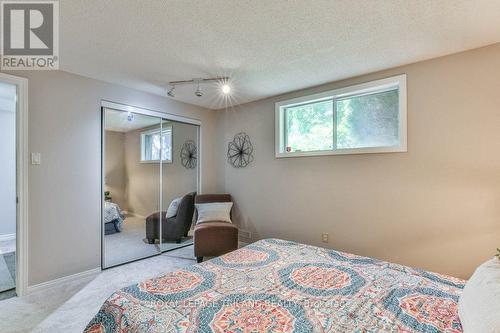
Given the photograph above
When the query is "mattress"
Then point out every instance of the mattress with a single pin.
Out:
(281, 286)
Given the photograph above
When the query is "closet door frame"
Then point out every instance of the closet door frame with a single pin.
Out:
(106, 104)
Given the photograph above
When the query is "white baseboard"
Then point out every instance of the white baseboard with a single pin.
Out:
(70, 278)
(7, 237)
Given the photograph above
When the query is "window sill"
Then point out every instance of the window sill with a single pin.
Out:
(355, 151)
(156, 162)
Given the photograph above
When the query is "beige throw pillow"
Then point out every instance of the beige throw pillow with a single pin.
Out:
(214, 211)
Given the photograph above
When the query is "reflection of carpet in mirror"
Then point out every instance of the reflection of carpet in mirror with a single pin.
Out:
(131, 243)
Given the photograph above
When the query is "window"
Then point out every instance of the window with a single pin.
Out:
(152, 147)
(367, 118)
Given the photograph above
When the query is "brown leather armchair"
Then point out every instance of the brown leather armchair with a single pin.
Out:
(173, 228)
(215, 238)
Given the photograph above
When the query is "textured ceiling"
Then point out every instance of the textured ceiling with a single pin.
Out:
(268, 47)
(118, 121)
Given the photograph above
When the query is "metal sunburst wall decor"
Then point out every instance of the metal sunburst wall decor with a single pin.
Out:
(240, 151)
(188, 154)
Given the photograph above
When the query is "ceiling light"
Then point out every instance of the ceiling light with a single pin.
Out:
(222, 83)
(171, 91)
(226, 89)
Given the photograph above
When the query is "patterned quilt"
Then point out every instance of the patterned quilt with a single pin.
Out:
(281, 286)
(112, 213)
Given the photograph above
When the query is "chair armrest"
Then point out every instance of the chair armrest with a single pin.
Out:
(215, 238)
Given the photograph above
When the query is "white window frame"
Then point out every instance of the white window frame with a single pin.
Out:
(154, 131)
(382, 85)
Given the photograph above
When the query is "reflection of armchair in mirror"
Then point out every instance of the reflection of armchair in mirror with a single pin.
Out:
(172, 228)
(142, 174)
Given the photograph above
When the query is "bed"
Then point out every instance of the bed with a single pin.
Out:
(281, 286)
(113, 218)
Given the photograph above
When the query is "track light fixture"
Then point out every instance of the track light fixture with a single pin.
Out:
(224, 86)
(198, 92)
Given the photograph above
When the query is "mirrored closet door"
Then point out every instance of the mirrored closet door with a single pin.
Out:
(150, 177)
(179, 183)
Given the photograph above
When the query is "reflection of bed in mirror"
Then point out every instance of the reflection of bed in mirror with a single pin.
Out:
(142, 174)
(113, 218)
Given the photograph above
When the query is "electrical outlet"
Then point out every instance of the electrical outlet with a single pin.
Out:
(325, 238)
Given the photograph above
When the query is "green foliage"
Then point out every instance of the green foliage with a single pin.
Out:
(310, 127)
(362, 121)
(498, 254)
(368, 121)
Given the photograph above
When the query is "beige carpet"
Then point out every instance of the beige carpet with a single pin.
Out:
(69, 307)
(130, 244)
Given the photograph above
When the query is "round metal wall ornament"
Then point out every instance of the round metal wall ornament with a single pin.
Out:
(240, 151)
(188, 154)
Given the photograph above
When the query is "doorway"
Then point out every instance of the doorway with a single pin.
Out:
(8, 94)
(150, 175)
(13, 192)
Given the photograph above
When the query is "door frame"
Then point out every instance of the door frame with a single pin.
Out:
(21, 181)
(106, 104)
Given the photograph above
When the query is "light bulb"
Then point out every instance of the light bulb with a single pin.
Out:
(226, 88)
(198, 92)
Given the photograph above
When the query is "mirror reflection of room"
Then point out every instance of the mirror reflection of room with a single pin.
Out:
(130, 185)
(179, 184)
(143, 156)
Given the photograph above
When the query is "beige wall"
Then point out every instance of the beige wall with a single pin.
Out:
(177, 180)
(435, 207)
(64, 191)
(143, 178)
(115, 173)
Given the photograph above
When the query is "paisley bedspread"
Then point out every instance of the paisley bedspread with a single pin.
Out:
(281, 286)
(112, 213)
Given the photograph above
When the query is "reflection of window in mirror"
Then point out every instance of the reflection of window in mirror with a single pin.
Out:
(154, 145)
